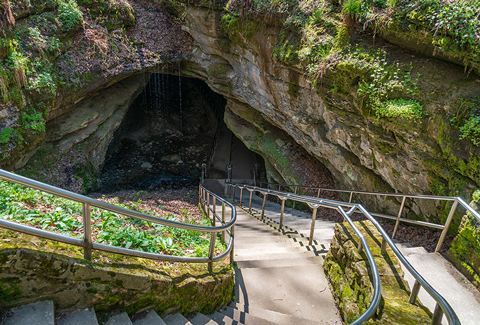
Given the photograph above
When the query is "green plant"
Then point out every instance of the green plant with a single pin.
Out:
(69, 14)
(467, 119)
(56, 214)
(33, 121)
(385, 88)
(406, 108)
(5, 135)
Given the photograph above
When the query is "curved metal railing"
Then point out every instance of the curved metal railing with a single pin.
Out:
(346, 210)
(456, 202)
(89, 245)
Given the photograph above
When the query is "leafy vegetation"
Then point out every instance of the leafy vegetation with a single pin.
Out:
(467, 119)
(70, 14)
(45, 211)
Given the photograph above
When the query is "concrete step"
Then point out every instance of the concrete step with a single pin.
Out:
(201, 319)
(85, 316)
(176, 319)
(120, 319)
(275, 317)
(243, 317)
(38, 313)
(253, 256)
(149, 317)
(446, 280)
(222, 319)
(250, 264)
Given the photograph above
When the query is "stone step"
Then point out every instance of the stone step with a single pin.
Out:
(85, 316)
(176, 319)
(286, 290)
(267, 247)
(275, 317)
(243, 317)
(222, 319)
(120, 319)
(201, 319)
(149, 317)
(251, 239)
(249, 264)
(253, 256)
(38, 313)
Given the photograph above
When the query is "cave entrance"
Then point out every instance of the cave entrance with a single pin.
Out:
(173, 127)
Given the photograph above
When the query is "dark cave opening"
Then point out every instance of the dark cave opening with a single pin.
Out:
(173, 127)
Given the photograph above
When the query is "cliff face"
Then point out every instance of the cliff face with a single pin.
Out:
(360, 149)
(296, 122)
(60, 52)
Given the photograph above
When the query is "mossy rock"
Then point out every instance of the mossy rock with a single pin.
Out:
(349, 274)
(33, 268)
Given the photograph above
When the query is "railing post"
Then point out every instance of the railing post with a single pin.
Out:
(281, 213)
(200, 195)
(250, 202)
(437, 315)
(241, 194)
(263, 204)
(398, 217)
(318, 193)
(384, 246)
(312, 228)
(208, 205)
(213, 206)
(414, 293)
(447, 225)
(211, 251)
(87, 231)
(351, 197)
(223, 221)
(293, 206)
(203, 200)
(232, 231)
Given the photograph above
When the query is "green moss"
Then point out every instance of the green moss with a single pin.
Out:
(240, 30)
(217, 70)
(348, 272)
(293, 90)
(9, 290)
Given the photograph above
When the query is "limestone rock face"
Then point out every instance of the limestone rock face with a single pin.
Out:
(78, 140)
(58, 272)
(361, 152)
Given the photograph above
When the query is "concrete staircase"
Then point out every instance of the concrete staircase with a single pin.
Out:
(442, 275)
(43, 313)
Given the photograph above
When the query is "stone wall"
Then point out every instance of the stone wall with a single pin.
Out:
(349, 274)
(464, 252)
(33, 269)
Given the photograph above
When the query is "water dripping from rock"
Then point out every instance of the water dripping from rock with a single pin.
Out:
(166, 135)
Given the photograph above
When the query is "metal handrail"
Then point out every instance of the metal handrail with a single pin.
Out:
(442, 306)
(87, 242)
(456, 202)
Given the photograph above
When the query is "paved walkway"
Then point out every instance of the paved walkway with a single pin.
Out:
(278, 280)
(449, 282)
(446, 280)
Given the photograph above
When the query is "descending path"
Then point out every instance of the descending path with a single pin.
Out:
(276, 280)
(449, 282)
